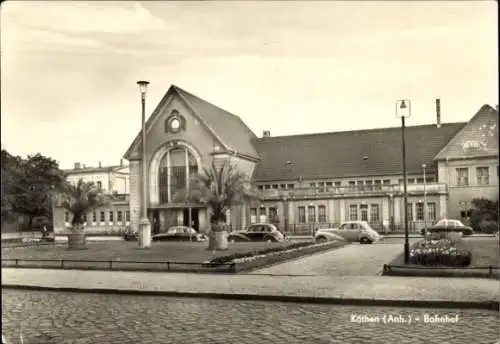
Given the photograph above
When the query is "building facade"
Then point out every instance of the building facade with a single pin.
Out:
(313, 180)
(113, 181)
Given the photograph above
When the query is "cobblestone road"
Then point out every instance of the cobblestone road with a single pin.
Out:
(351, 260)
(63, 318)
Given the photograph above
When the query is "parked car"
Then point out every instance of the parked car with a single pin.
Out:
(257, 232)
(180, 233)
(353, 231)
(446, 226)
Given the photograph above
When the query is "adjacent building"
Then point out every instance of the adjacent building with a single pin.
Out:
(312, 180)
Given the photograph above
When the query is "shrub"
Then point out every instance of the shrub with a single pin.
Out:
(439, 252)
(231, 257)
(488, 226)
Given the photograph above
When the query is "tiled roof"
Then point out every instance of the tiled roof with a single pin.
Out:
(342, 154)
(94, 169)
(231, 129)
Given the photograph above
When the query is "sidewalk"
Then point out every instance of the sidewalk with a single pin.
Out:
(361, 290)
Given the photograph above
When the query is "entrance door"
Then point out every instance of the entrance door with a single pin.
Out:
(195, 220)
(155, 221)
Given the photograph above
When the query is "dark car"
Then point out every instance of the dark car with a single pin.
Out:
(257, 232)
(180, 233)
(445, 226)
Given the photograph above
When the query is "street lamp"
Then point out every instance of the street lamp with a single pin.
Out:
(403, 110)
(425, 201)
(144, 224)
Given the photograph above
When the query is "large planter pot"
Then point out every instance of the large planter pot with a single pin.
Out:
(217, 239)
(76, 239)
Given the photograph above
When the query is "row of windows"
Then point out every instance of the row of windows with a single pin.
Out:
(482, 176)
(311, 214)
(376, 183)
(102, 216)
(364, 212)
(419, 211)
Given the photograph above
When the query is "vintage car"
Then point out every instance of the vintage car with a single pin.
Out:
(257, 232)
(353, 231)
(180, 233)
(446, 226)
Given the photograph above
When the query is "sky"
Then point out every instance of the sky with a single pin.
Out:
(69, 69)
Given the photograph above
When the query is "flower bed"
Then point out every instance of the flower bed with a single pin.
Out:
(441, 252)
(257, 259)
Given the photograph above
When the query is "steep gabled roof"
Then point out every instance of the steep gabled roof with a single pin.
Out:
(233, 133)
(484, 118)
(342, 154)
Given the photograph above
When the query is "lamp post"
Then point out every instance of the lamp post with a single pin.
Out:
(144, 224)
(425, 201)
(403, 110)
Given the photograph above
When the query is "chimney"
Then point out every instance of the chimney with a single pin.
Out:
(100, 165)
(121, 162)
(438, 113)
(77, 165)
(266, 133)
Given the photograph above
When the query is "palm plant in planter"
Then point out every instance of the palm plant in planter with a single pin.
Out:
(219, 187)
(78, 200)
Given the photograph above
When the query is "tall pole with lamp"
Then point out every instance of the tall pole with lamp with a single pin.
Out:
(425, 201)
(144, 224)
(403, 110)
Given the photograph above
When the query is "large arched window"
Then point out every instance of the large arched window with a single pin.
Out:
(175, 168)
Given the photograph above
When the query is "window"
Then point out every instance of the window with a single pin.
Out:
(378, 184)
(431, 211)
(369, 184)
(338, 183)
(111, 216)
(99, 184)
(329, 183)
(127, 215)
(282, 186)
(302, 215)
(66, 216)
(353, 212)
(364, 212)
(386, 182)
(360, 185)
(411, 180)
(275, 186)
(311, 214)
(483, 175)
(321, 187)
(409, 212)
(352, 183)
(420, 211)
(84, 218)
(321, 213)
(260, 187)
(267, 186)
(290, 186)
(429, 179)
(119, 216)
(374, 213)
(94, 216)
(462, 176)
(312, 185)
(102, 216)
(420, 180)
(273, 215)
(253, 215)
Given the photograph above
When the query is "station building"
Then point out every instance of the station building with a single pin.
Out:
(313, 180)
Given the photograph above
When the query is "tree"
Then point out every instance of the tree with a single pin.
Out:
(28, 185)
(79, 199)
(219, 188)
(484, 211)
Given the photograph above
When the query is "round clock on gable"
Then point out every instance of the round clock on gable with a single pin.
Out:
(175, 125)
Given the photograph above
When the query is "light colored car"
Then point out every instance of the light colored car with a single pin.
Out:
(447, 225)
(353, 231)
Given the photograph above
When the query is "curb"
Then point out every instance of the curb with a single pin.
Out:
(485, 305)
